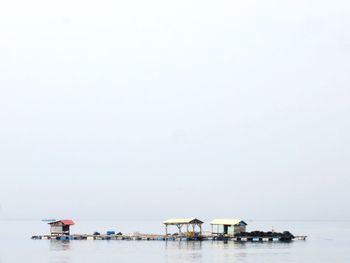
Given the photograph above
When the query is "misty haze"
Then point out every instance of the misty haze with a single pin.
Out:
(152, 110)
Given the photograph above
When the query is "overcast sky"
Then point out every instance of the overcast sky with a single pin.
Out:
(157, 109)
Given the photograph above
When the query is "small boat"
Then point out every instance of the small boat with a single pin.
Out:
(48, 220)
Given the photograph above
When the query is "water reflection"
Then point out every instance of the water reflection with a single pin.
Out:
(183, 251)
(59, 245)
(60, 251)
(220, 251)
(188, 245)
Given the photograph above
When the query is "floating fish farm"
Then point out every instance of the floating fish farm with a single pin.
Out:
(221, 230)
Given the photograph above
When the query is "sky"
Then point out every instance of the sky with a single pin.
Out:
(158, 109)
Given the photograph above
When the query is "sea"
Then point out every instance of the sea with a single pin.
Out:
(327, 242)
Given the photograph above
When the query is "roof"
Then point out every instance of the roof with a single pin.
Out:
(66, 222)
(176, 221)
(229, 222)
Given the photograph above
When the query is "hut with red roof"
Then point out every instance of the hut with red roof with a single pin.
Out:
(61, 227)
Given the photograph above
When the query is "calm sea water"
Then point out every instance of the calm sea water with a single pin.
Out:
(327, 242)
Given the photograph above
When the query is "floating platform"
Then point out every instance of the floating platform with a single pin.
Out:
(166, 238)
(60, 230)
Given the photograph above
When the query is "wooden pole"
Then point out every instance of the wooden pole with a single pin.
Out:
(179, 227)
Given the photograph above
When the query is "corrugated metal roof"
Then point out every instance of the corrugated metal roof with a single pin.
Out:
(66, 222)
(175, 221)
(229, 222)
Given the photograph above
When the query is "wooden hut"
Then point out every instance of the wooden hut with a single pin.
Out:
(229, 226)
(180, 222)
(61, 227)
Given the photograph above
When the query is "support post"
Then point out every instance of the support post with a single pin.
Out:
(179, 227)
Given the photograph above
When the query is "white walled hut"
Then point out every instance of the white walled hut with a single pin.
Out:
(227, 226)
(180, 222)
(61, 227)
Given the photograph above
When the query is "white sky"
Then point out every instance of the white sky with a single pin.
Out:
(157, 109)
